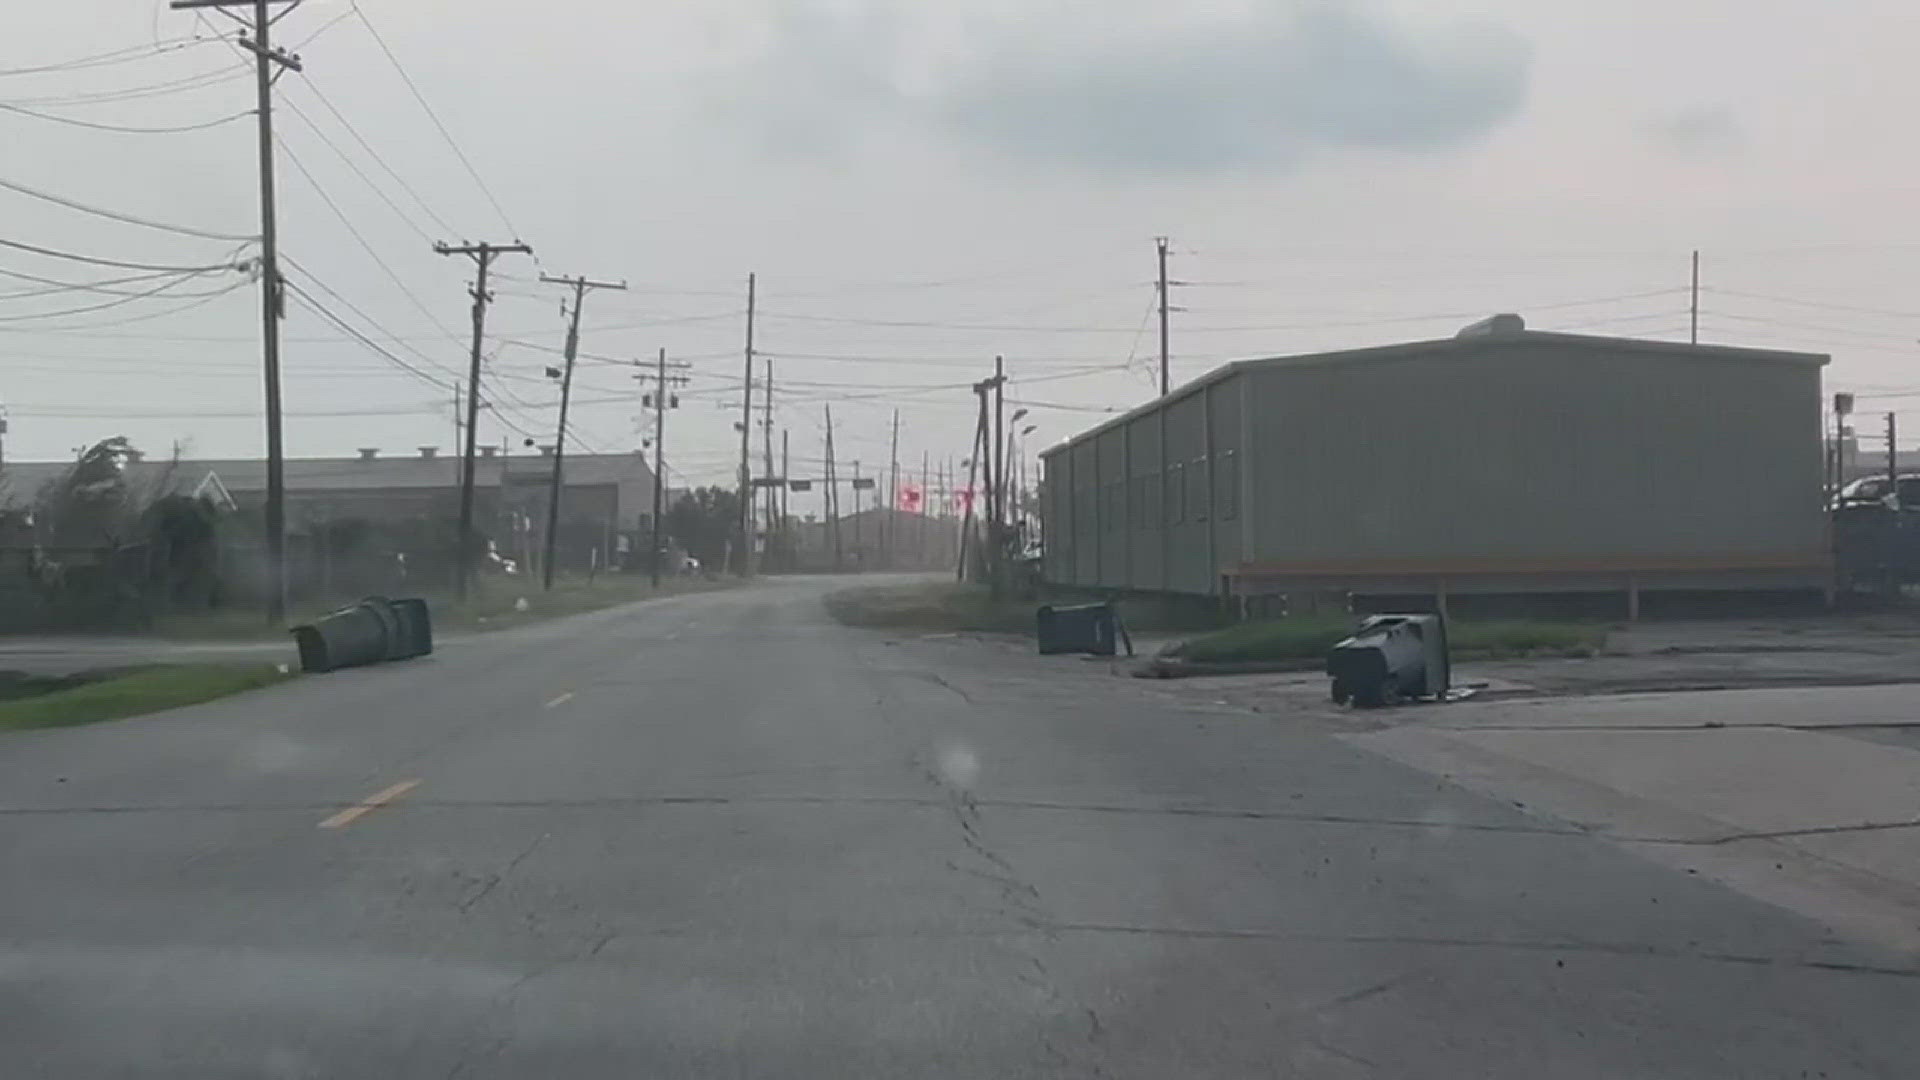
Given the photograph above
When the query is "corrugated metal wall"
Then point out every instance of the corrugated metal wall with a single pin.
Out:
(1535, 449)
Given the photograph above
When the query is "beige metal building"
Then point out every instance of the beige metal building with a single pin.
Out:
(1500, 460)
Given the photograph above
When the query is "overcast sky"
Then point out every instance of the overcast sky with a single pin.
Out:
(922, 185)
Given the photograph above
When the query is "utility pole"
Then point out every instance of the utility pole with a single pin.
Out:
(998, 478)
(973, 464)
(766, 423)
(1693, 324)
(1893, 461)
(268, 63)
(832, 500)
(661, 399)
(786, 486)
(580, 285)
(482, 255)
(1165, 384)
(860, 562)
(746, 429)
(893, 498)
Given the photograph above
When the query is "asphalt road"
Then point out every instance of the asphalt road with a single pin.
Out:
(714, 836)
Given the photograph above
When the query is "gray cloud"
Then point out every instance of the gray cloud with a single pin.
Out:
(1266, 89)
(1701, 132)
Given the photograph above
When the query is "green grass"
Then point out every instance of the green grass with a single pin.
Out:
(135, 692)
(1309, 637)
(492, 607)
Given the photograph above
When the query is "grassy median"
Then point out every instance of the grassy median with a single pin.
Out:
(94, 696)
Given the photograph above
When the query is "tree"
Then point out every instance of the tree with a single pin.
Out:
(703, 522)
(89, 505)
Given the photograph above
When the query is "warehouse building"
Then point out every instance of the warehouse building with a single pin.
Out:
(1502, 460)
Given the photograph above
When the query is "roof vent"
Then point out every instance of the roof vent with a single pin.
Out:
(1494, 326)
(546, 451)
(368, 453)
(428, 453)
(489, 451)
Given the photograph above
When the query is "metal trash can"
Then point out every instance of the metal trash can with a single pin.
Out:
(416, 627)
(1081, 628)
(1391, 658)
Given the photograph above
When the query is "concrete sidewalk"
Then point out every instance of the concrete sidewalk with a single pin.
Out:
(1807, 798)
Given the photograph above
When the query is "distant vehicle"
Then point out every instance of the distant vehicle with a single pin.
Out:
(1877, 489)
(689, 565)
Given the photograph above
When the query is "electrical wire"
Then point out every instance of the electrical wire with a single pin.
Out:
(161, 89)
(94, 260)
(117, 56)
(173, 130)
(370, 321)
(435, 117)
(115, 215)
(365, 245)
(375, 154)
(55, 285)
(357, 171)
(322, 310)
(118, 302)
(89, 328)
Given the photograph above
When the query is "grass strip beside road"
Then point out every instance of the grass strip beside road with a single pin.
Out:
(134, 692)
(949, 607)
(494, 606)
(1310, 637)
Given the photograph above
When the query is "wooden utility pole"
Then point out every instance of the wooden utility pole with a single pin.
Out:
(773, 504)
(746, 436)
(859, 549)
(893, 498)
(1160, 243)
(661, 399)
(832, 500)
(580, 285)
(996, 553)
(483, 255)
(268, 62)
(1893, 460)
(973, 467)
(786, 486)
(1693, 324)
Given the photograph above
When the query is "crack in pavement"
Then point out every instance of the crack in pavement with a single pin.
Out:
(616, 802)
(1595, 948)
(494, 880)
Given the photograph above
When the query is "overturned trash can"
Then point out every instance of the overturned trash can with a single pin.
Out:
(374, 630)
(1391, 658)
(1093, 629)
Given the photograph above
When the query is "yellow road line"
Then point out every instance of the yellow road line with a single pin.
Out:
(561, 700)
(374, 802)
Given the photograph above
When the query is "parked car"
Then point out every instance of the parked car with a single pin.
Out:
(1878, 489)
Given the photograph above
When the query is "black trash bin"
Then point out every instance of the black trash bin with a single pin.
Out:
(1081, 628)
(1391, 658)
(350, 637)
(416, 627)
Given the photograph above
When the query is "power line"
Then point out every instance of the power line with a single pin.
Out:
(365, 245)
(55, 285)
(95, 260)
(375, 154)
(115, 215)
(91, 327)
(435, 117)
(117, 56)
(172, 130)
(114, 303)
(160, 89)
(1815, 303)
(321, 310)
